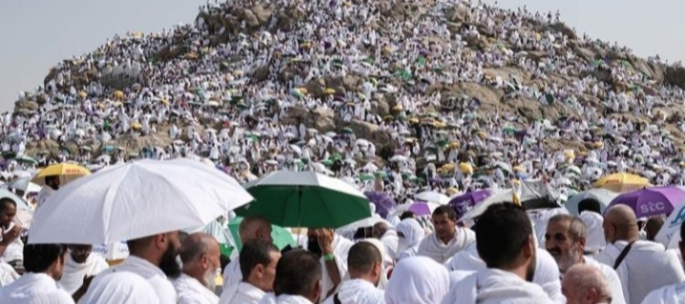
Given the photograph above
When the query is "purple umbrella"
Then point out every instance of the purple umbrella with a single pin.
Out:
(384, 203)
(462, 203)
(651, 201)
(422, 208)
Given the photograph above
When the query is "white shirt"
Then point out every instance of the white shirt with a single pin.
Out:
(157, 279)
(246, 293)
(73, 274)
(191, 291)
(34, 288)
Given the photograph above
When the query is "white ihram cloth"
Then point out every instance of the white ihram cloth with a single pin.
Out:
(671, 294)
(494, 286)
(417, 280)
(120, 287)
(341, 247)
(232, 277)
(412, 234)
(646, 267)
(358, 291)
(594, 225)
(391, 242)
(546, 270)
(612, 279)
(440, 252)
(7, 274)
(284, 299)
(158, 280)
(244, 294)
(72, 277)
(34, 288)
(191, 291)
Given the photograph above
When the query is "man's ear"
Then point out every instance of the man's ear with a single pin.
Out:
(529, 248)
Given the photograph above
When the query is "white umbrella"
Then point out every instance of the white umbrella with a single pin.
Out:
(367, 222)
(669, 234)
(136, 200)
(432, 197)
(398, 158)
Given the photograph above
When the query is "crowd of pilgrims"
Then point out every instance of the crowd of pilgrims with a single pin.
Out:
(498, 260)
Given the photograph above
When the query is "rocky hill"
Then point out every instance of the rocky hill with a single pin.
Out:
(194, 46)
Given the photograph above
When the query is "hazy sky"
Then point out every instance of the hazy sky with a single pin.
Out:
(36, 34)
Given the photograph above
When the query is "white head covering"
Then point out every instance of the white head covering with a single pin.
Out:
(412, 231)
(120, 287)
(417, 280)
(594, 225)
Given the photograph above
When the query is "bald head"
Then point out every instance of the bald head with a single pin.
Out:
(196, 245)
(583, 282)
(620, 223)
(201, 257)
(379, 229)
(253, 227)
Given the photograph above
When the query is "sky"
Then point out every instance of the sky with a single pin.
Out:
(37, 34)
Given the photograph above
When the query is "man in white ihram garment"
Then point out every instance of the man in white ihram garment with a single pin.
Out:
(365, 267)
(565, 241)
(79, 264)
(120, 287)
(250, 228)
(298, 279)
(448, 239)
(674, 293)
(507, 245)
(258, 260)
(586, 284)
(388, 236)
(200, 256)
(332, 250)
(153, 258)
(645, 265)
(44, 264)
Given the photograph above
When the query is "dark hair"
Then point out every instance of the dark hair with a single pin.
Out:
(446, 210)
(362, 256)
(589, 205)
(225, 260)
(39, 257)
(406, 215)
(297, 273)
(501, 232)
(255, 252)
(6, 200)
(576, 227)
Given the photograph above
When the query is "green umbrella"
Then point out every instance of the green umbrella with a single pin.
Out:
(347, 131)
(305, 199)
(281, 237)
(26, 160)
(327, 162)
(365, 177)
